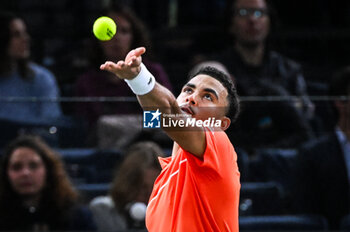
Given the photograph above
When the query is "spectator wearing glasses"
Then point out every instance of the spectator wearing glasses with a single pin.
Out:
(250, 59)
(259, 71)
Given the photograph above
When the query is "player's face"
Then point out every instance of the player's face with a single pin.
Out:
(250, 21)
(19, 46)
(203, 97)
(26, 172)
(118, 47)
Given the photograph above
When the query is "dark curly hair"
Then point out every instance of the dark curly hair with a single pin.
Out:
(234, 105)
(58, 194)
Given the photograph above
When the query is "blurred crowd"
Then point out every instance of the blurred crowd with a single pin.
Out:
(288, 60)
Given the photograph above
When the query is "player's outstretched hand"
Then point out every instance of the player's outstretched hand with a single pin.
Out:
(128, 68)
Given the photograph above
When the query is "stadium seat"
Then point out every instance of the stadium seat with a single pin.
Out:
(260, 198)
(13, 129)
(90, 165)
(89, 191)
(62, 132)
(77, 164)
(345, 223)
(243, 163)
(283, 223)
(274, 165)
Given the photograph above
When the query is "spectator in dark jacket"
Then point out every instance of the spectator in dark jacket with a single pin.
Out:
(250, 59)
(259, 71)
(323, 170)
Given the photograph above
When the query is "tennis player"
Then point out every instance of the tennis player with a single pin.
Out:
(198, 188)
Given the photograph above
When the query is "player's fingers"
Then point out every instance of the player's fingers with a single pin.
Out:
(139, 51)
(121, 64)
(131, 60)
(104, 66)
(129, 55)
(136, 61)
(135, 52)
(109, 66)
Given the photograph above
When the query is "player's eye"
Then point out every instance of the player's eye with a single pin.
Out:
(208, 97)
(187, 90)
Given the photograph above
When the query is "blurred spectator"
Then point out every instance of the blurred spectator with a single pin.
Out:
(323, 170)
(35, 192)
(250, 59)
(19, 77)
(131, 33)
(125, 207)
(259, 71)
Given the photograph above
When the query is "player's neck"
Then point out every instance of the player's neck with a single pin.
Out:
(176, 147)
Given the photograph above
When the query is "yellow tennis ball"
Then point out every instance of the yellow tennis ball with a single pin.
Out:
(104, 28)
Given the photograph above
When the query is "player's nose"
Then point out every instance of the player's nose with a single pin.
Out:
(192, 100)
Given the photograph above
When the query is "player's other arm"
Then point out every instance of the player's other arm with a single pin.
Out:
(159, 97)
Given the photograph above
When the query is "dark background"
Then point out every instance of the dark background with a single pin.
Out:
(314, 32)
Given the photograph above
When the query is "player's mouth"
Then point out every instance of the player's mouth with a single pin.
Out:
(187, 109)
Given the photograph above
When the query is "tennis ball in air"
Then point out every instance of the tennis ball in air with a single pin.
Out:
(104, 28)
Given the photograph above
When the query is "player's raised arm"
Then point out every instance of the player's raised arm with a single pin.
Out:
(153, 96)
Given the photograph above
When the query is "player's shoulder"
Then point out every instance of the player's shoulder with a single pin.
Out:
(217, 136)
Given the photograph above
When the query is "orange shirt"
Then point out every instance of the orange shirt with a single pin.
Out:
(193, 194)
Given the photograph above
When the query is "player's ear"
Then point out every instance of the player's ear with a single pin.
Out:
(225, 123)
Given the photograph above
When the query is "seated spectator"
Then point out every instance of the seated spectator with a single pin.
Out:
(250, 59)
(35, 192)
(125, 206)
(259, 71)
(131, 33)
(19, 77)
(323, 171)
